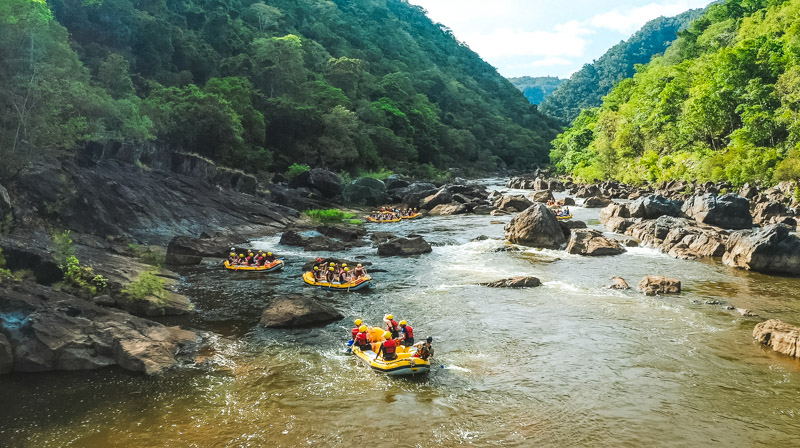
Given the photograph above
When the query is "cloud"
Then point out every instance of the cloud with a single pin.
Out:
(630, 20)
(563, 40)
(550, 62)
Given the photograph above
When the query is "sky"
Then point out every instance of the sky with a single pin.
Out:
(547, 37)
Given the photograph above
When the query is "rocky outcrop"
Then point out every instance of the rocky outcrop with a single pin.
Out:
(652, 207)
(5, 202)
(653, 285)
(515, 282)
(6, 356)
(592, 243)
(365, 191)
(442, 196)
(619, 284)
(772, 212)
(540, 196)
(449, 209)
(729, 211)
(201, 168)
(679, 237)
(537, 226)
(413, 245)
(314, 243)
(50, 330)
(780, 336)
(618, 225)
(772, 249)
(328, 183)
(596, 202)
(396, 181)
(296, 311)
(345, 233)
(614, 210)
(513, 204)
(412, 194)
(185, 250)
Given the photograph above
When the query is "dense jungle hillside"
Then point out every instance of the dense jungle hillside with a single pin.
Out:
(536, 89)
(352, 85)
(587, 87)
(721, 104)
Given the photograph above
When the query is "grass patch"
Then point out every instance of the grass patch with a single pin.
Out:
(296, 169)
(382, 174)
(149, 284)
(331, 216)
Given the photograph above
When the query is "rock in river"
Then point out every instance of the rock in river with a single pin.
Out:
(619, 283)
(296, 311)
(404, 246)
(652, 207)
(729, 211)
(772, 249)
(328, 183)
(537, 226)
(653, 285)
(515, 282)
(596, 202)
(515, 203)
(592, 242)
(782, 337)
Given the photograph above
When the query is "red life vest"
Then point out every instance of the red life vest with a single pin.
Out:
(391, 325)
(409, 332)
(389, 346)
(355, 332)
(361, 338)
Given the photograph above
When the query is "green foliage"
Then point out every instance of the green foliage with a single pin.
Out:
(63, 249)
(382, 174)
(330, 216)
(296, 169)
(148, 284)
(81, 280)
(152, 255)
(721, 104)
(5, 274)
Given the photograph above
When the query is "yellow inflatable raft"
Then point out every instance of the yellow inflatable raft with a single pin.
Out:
(361, 283)
(382, 221)
(276, 265)
(414, 216)
(405, 364)
(564, 217)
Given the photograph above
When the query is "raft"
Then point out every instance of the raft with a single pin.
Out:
(276, 265)
(414, 216)
(361, 283)
(405, 364)
(384, 221)
(564, 217)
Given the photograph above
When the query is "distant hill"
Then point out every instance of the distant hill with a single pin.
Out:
(586, 87)
(536, 89)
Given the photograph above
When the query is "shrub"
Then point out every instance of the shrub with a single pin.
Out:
(4, 273)
(148, 284)
(63, 248)
(382, 174)
(331, 216)
(296, 169)
(81, 280)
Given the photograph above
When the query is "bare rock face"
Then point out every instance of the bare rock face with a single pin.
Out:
(653, 206)
(592, 243)
(404, 246)
(782, 337)
(729, 211)
(515, 282)
(516, 203)
(619, 284)
(596, 202)
(296, 311)
(5, 200)
(6, 357)
(541, 196)
(614, 210)
(449, 209)
(537, 226)
(679, 237)
(443, 196)
(655, 285)
(618, 225)
(772, 249)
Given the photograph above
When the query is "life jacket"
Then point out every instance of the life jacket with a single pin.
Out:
(389, 347)
(361, 339)
(408, 331)
(392, 325)
(355, 332)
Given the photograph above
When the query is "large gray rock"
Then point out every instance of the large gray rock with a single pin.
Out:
(449, 209)
(185, 250)
(769, 212)
(412, 194)
(541, 196)
(592, 243)
(344, 232)
(679, 237)
(729, 211)
(396, 181)
(404, 246)
(537, 226)
(443, 196)
(512, 204)
(773, 249)
(653, 285)
(515, 282)
(328, 183)
(596, 202)
(780, 336)
(296, 311)
(652, 207)
(614, 210)
(366, 191)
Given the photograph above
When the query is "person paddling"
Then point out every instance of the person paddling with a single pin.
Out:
(362, 339)
(391, 326)
(406, 334)
(388, 348)
(424, 349)
(356, 330)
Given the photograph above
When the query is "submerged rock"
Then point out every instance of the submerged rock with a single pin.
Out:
(404, 246)
(619, 284)
(729, 211)
(780, 336)
(537, 226)
(515, 282)
(592, 243)
(653, 285)
(296, 311)
(772, 249)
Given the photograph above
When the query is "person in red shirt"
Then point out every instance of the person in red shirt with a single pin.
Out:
(407, 334)
(388, 348)
(355, 330)
(362, 340)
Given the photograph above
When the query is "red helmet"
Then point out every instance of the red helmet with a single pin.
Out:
(319, 260)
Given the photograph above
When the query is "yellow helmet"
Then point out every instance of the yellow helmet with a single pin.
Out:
(233, 254)
(346, 269)
(387, 335)
(241, 255)
(403, 323)
(316, 268)
(344, 265)
(362, 328)
(358, 265)
(269, 253)
(332, 264)
(330, 269)
(250, 252)
(357, 322)
(389, 316)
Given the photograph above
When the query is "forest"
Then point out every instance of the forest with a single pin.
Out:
(722, 103)
(351, 85)
(536, 89)
(587, 87)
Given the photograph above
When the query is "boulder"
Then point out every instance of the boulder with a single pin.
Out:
(614, 210)
(154, 354)
(587, 191)
(653, 285)
(5, 201)
(515, 282)
(619, 284)
(395, 181)
(296, 311)
(327, 182)
(302, 180)
(537, 226)
(592, 243)
(442, 196)
(344, 232)
(652, 207)
(515, 203)
(596, 202)
(404, 246)
(185, 250)
(313, 244)
(679, 237)
(773, 249)
(729, 211)
(618, 225)
(449, 209)
(366, 191)
(540, 196)
(482, 209)
(780, 336)
(412, 194)
(748, 191)
(568, 201)
(768, 212)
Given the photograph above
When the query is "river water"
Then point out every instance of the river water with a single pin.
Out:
(570, 363)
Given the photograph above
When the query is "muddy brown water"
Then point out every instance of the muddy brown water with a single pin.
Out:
(566, 364)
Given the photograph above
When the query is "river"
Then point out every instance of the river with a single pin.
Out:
(570, 363)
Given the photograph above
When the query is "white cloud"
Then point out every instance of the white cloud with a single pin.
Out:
(550, 62)
(564, 40)
(630, 20)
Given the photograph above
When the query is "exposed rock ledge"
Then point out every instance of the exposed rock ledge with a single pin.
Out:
(782, 337)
